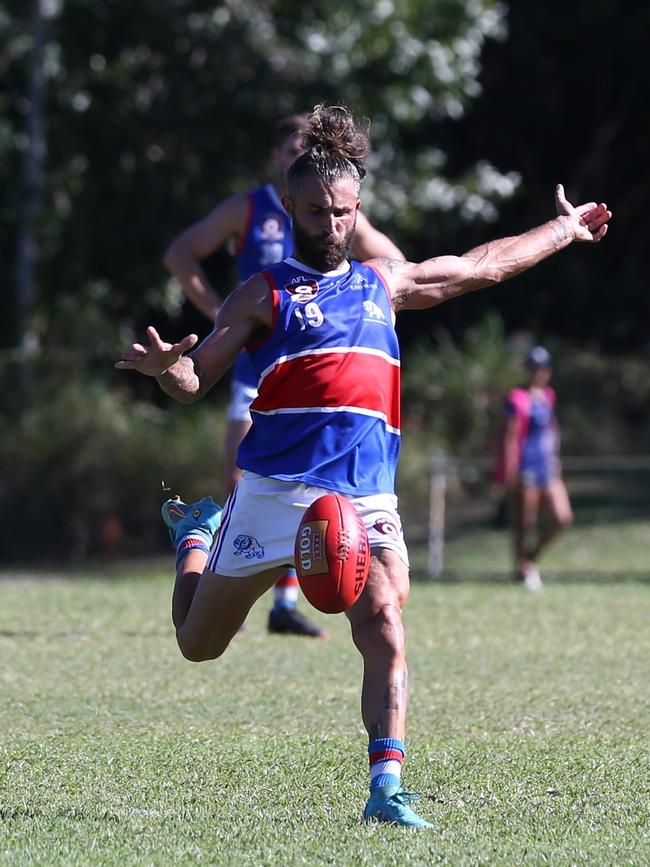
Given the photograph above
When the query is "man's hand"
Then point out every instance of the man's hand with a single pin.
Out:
(588, 221)
(159, 356)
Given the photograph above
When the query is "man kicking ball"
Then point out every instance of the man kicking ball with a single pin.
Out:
(320, 334)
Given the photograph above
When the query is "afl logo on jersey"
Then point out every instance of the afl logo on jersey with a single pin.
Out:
(302, 290)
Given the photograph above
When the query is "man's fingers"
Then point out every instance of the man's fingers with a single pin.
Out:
(596, 218)
(562, 204)
(586, 207)
(135, 354)
(186, 343)
(154, 337)
(147, 359)
(600, 234)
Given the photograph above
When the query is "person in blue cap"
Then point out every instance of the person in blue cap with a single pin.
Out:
(532, 471)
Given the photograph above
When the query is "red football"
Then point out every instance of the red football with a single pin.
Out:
(332, 554)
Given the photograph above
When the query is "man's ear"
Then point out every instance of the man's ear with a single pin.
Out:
(287, 203)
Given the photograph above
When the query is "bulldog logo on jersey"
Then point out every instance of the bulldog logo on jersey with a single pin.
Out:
(374, 311)
(301, 289)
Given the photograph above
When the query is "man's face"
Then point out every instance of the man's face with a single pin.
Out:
(324, 218)
(286, 153)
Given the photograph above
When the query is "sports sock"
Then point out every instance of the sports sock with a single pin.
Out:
(386, 757)
(285, 591)
(190, 543)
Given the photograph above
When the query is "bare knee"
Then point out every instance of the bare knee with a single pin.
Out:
(561, 518)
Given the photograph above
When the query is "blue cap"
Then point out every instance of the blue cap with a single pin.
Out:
(538, 356)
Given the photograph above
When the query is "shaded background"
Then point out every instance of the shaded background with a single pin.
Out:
(120, 123)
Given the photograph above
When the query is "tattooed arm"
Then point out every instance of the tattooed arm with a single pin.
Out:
(417, 286)
(246, 314)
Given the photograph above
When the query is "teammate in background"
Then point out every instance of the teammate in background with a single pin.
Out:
(256, 228)
(532, 468)
(321, 336)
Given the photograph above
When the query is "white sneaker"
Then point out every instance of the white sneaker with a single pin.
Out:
(532, 579)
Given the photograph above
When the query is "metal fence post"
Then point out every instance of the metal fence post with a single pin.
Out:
(437, 489)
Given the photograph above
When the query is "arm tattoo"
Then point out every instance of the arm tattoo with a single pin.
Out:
(390, 264)
(559, 233)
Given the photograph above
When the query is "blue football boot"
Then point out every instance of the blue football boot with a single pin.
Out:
(198, 520)
(391, 804)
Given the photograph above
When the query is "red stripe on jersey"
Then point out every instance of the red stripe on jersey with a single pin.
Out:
(330, 380)
(382, 280)
(275, 300)
(386, 755)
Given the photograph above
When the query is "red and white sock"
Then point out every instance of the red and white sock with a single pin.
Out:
(285, 592)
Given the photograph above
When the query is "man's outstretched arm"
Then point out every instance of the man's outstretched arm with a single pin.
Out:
(417, 286)
(246, 314)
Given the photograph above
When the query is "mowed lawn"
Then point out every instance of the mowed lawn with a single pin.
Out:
(528, 728)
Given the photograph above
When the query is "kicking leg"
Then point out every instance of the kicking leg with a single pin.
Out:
(219, 606)
(207, 609)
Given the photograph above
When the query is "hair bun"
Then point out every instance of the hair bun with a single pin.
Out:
(333, 131)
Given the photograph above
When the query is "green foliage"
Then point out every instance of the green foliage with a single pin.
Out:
(155, 115)
(527, 730)
(86, 467)
(455, 390)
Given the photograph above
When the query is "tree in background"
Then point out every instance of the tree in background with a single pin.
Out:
(154, 111)
(564, 100)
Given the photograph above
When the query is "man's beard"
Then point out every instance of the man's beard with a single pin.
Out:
(322, 253)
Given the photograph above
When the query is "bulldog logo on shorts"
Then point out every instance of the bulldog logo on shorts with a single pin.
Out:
(248, 547)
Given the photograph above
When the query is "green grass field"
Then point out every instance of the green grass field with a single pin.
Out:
(528, 728)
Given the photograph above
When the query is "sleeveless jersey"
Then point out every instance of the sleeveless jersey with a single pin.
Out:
(328, 404)
(267, 239)
(536, 430)
(539, 448)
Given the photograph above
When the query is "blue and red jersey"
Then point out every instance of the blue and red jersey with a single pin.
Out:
(328, 405)
(536, 430)
(267, 239)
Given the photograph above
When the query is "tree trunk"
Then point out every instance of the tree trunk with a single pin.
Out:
(32, 183)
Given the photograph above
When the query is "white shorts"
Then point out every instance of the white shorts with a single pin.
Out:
(261, 518)
(241, 397)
